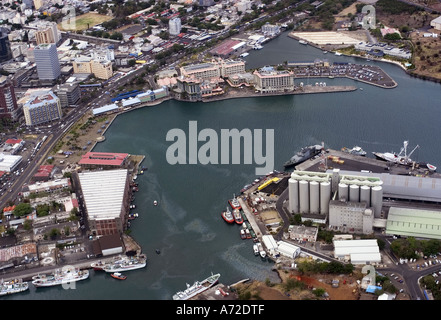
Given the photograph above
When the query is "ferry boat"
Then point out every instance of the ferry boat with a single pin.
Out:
(234, 203)
(237, 216)
(59, 277)
(13, 286)
(355, 150)
(127, 264)
(303, 155)
(228, 216)
(401, 158)
(118, 275)
(197, 288)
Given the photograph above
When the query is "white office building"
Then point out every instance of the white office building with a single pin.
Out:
(174, 26)
(46, 59)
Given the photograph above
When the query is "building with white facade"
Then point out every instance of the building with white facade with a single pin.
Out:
(42, 109)
(46, 59)
(267, 79)
(9, 163)
(364, 251)
(174, 26)
(352, 217)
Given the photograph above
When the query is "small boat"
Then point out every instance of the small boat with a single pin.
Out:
(355, 150)
(157, 251)
(248, 233)
(118, 275)
(237, 216)
(256, 249)
(243, 236)
(227, 216)
(155, 203)
(431, 167)
(325, 52)
(303, 42)
(338, 53)
(262, 252)
(132, 216)
(13, 286)
(234, 203)
(243, 55)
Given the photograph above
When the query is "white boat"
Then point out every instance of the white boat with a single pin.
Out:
(262, 252)
(303, 42)
(13, 286)
(355, 150)
(243, 55)
(197, 288)
(338, 53)
(59, 277)
(431, 167)
(126, 264)
(401, 158)
(256, 249)
(257, 47)
(155, 203)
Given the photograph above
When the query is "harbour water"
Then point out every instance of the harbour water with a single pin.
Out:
(187, 226)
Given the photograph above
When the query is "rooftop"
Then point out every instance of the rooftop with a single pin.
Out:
(103, 158)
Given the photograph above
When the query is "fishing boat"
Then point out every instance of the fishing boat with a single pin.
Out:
(127, 264)
(355, 150)
(197, 288)
(401, 158)
(237, 216)
(234, 203)
(243, 235)
(228, 216)
(13, 286)
(59, 277)
(118, 275)
(262, 252)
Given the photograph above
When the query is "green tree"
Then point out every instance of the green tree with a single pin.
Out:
(22, 209)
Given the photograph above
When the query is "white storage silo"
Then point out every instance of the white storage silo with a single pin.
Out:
(325, 197)
(365, 195)
(343, 191)
(293, 195)
(304, 196)
(314, 197)
(354, 193)
(377, 200)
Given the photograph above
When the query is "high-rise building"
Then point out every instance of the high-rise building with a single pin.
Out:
(48, 33)
(46, 59)
(69, 93)
(42, 108)
(5, 46)
(174, 26)
(8, 101)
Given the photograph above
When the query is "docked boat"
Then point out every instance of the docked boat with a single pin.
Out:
(303, 42)
(13, 286)
(127, 264)
(257, 47)
(197, 288)
(431, 167)
(243, 55)
(262, 252)
(338, 53)
(247, 233)
(234, 203)
(237, 216)
(245, 188)
(358, 151)
(303, 155)
(59, 277)
(118, 275)
(132, 216)
(401, 158)
(228, 216)
(243, 235)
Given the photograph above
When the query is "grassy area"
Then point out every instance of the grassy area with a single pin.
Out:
(83, 22)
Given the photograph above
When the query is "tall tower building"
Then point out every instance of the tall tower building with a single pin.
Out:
(5, 46)
(46, 59)
(174, 26)
(8, 101)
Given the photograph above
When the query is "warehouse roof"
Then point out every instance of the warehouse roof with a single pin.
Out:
(103, 192)
(103, 158)
(414, 222)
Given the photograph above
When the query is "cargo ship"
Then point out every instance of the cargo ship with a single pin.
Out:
(197, 288)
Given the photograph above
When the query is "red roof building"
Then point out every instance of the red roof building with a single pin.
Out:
(102, 159)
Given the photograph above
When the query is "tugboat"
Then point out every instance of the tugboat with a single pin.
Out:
(234, 203)
(303, 155)
(227, 216)
(237, 216)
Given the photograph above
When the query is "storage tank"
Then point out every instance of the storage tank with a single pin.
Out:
(354, 193)
(293, 195)
(325, 197)
(365, 195)
(314, 197)
(304, 196)
(343, 191)
(377, 200)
